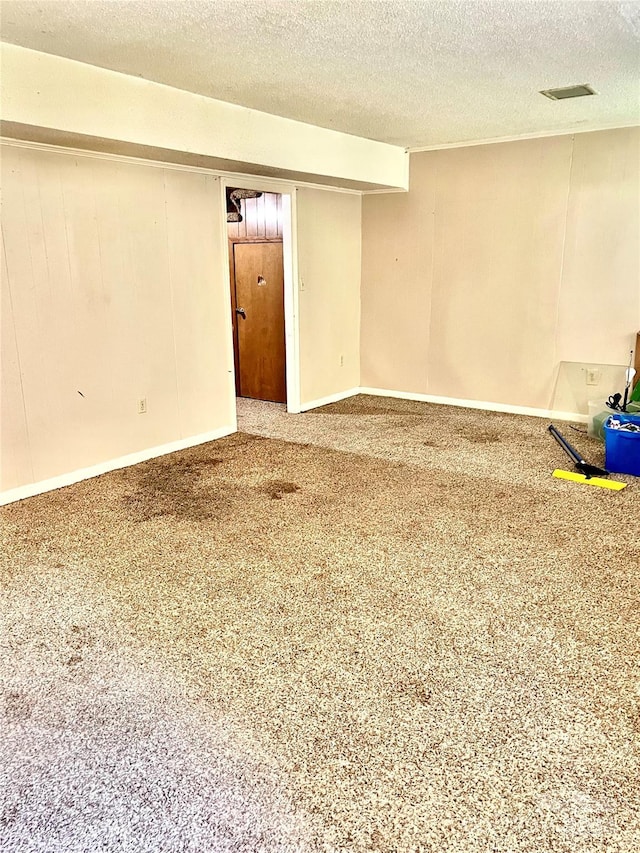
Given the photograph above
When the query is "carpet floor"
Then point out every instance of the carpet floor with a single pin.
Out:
(377, 626)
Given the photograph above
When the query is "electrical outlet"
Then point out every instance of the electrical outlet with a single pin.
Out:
(301, 284)
(142, 406)
(593, 376)
(341, 361)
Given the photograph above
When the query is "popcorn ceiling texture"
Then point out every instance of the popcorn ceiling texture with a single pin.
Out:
(386, 629)
(406, 72)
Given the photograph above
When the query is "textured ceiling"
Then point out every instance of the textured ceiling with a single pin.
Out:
(414, 73)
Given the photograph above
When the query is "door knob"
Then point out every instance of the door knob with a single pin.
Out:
(241, 312)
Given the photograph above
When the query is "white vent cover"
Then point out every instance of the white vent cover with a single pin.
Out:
(568, 92)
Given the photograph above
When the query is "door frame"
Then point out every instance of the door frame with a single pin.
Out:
(290, 269)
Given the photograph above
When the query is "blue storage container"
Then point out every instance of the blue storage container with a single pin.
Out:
(622, 448)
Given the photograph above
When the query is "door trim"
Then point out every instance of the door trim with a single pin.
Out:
(290, 269)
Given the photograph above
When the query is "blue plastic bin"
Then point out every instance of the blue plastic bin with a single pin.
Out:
(621, 448)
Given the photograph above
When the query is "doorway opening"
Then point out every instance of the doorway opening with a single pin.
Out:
(256, 224)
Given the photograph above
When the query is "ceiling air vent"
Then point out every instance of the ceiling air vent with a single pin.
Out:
(568, 92)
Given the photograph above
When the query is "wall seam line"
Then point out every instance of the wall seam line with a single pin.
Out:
(173, 307)
(15, 338)
(33, 282)
(431, 272)
(562, 256)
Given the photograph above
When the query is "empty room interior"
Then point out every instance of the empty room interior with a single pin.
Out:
(320, 426)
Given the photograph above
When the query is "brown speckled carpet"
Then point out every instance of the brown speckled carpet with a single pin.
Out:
(384, 627)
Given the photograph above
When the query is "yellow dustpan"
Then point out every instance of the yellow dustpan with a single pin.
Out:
(589, 481)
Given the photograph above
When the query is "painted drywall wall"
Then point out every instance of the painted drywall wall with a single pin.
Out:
(502, 263)
(113, 290)
(329, 266)
(43, 91)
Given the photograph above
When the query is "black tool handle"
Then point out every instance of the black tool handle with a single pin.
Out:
(571, 452)
(581, 464)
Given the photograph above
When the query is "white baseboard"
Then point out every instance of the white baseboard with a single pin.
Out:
(332, 398)
(32, 489)
(478, 404)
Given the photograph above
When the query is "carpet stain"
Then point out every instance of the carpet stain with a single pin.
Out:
(377, 841)
(349, 407)
(375, 410)
(174, 487)
(414, 689)
(17, 706)
(480, 436)
(277, 488)
(32, 539)
(80, 637)
(9, 815)
(78, 640)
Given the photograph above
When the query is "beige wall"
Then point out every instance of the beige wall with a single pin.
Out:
(112, 290)
(500, 263)
(329, 263)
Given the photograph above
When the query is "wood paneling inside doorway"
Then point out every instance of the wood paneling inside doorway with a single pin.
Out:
(261, 218)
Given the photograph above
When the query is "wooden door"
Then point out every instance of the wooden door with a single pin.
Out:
(259, 309)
